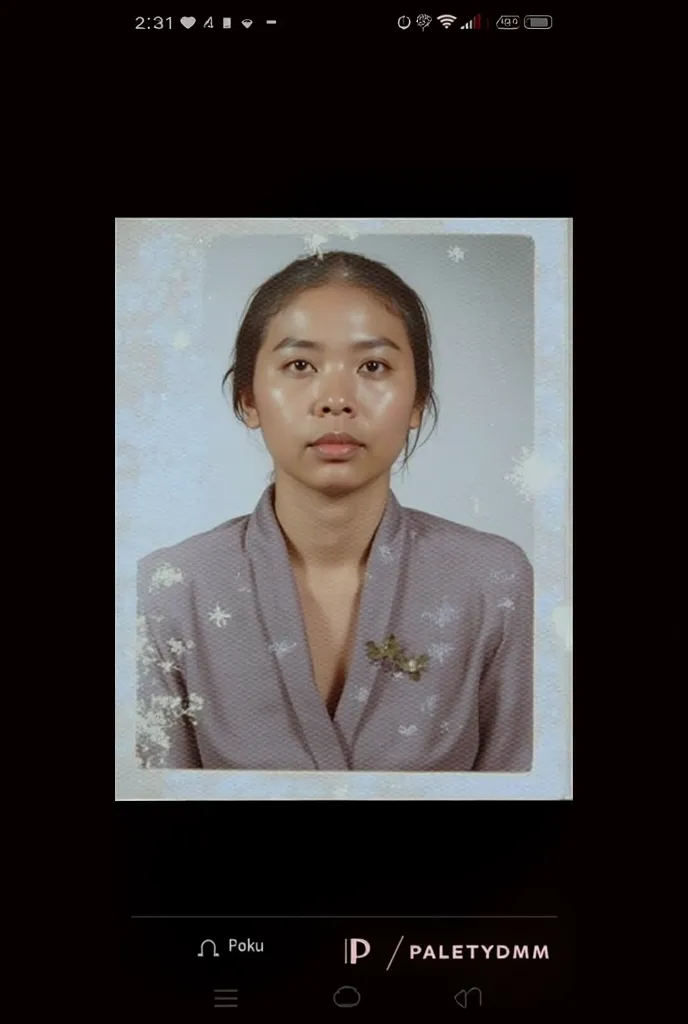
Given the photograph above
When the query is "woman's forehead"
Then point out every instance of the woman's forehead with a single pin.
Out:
(334, 313)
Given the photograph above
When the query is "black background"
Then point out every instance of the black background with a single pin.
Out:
(313, 859)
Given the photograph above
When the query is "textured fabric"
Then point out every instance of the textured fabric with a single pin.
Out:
(224, 671)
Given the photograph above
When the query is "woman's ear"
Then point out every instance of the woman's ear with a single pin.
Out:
(249, 412)
(416, 417)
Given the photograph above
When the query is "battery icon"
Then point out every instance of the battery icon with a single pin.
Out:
(226, 22)
(537, 21)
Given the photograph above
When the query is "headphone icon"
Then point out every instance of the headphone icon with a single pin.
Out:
(215, 952)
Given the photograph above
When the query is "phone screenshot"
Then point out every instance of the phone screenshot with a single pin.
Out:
(343, 517)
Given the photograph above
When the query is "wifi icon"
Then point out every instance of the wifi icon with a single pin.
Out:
(247, 23)
(447, 19)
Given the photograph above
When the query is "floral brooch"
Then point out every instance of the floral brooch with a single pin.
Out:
(391, 656)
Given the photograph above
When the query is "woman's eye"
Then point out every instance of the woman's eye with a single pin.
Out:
(373, 366)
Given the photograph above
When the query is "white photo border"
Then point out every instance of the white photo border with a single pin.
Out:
(165, 257)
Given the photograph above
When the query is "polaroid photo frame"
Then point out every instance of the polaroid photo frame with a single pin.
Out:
(499, 296)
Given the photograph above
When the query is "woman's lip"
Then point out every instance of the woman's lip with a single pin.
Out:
(339, 446)
(336, 450)
(330, 439)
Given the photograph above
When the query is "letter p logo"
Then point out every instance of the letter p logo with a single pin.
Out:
(355, 949)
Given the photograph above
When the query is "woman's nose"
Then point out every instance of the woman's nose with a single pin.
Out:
(335, 407)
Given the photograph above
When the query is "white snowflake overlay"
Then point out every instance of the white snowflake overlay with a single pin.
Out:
(219, 616)
(314, 244)
(154, 721)
(282, 647)
(159, 713)
(386, 554)
(443, 616)
(408, 730)
(179, 646)
(362, 695)
(429, 705)
(532, 475)
(455, 253)
(165, 575)
(440, 651)
(502, 575)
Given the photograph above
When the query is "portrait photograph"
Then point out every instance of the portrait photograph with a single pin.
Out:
(343, 509)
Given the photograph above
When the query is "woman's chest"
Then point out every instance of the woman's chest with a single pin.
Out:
(267, 684)
(330, 613)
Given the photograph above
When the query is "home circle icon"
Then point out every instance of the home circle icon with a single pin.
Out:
(347, 995)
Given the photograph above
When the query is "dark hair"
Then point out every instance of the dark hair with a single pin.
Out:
(313, 272)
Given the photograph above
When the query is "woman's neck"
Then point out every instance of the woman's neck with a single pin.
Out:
(327, 534)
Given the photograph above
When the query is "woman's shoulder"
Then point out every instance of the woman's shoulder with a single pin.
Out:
(490, 554)
(166, 565)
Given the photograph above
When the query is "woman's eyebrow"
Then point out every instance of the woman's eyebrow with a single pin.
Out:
(366, 344)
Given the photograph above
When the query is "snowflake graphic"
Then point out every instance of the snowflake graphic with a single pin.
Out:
(440, 652)
(429, 705)
(445, 727)
(502, 575)
(178, 646)
(154, 721)
(165, 575)
(348, 231)
(386, 554)
(218, 616)
(506, 603)
(476, 505)
(314, 244)
(167, 666)
(146, 654)
(362, 695)
(282, 647)
(443, 616)
(532, 474)
(455, 253)
(408, 730)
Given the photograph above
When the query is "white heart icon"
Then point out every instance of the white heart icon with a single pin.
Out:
(188, 22)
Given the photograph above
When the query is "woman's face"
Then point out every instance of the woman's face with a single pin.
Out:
(334, 361)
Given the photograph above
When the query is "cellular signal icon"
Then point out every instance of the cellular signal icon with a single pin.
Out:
(447, 19)
(473, 23)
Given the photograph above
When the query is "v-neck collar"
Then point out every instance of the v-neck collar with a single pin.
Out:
(329, 740)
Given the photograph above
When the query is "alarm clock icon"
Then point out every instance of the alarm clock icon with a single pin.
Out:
(404, 22)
